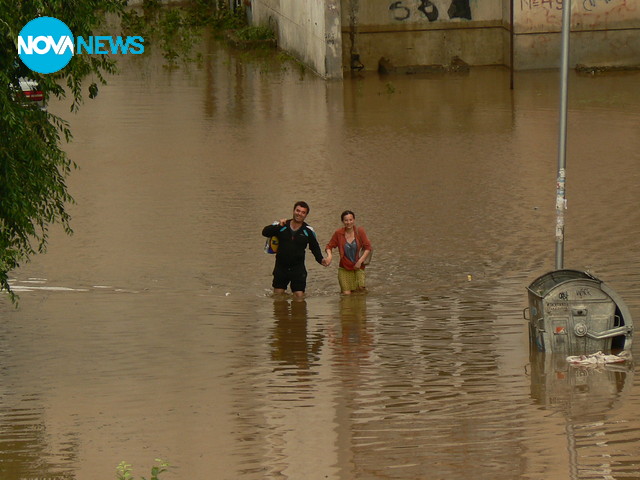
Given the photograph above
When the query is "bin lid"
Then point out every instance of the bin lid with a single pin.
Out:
(543, 284)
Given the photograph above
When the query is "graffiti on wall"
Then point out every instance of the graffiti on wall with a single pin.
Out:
(531, 4)
(403, 10)
(588, 5)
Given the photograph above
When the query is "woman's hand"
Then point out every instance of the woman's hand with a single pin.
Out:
(328, 258)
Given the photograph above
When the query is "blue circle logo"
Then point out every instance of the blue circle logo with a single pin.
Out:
(45, 45)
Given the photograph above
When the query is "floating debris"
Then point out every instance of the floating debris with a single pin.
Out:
(598, 358)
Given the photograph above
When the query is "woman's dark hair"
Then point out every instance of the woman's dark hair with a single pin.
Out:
(345, 213)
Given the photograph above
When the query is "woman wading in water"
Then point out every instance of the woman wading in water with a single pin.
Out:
(354, 248)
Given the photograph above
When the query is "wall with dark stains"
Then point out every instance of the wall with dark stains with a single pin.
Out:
(433, 32)
(605, 33)
(332, 36)
(423, 32)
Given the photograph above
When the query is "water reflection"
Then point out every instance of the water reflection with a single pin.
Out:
(25, 445)
(295, 407)
(291, 344)
(427, 393)
(578, 391)
(598, 445)
(352, 339)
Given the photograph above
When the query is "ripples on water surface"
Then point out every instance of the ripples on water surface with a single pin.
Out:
(152, 332)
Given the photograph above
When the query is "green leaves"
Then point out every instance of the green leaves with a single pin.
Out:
(157, 470)
(33, 164)
(124, 472)
(93, 90)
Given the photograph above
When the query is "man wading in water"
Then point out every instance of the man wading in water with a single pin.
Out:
(294, 236)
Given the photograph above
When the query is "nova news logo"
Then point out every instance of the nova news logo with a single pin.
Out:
(46, 45)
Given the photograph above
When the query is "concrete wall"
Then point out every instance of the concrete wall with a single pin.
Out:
(425, 32)
(308, 29)
(431, 32)
(331, 36)
(604, 33)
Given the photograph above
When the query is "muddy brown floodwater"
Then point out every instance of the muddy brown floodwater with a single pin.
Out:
(152, 332)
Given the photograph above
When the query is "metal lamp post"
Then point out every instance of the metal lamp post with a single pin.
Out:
(561, 199)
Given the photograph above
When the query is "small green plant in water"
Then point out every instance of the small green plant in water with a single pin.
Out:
(255, 33)
(124, 471)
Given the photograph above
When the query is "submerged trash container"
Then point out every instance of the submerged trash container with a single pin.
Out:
(572, 312)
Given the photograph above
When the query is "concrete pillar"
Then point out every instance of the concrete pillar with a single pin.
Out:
(333, 38)
(310, 30)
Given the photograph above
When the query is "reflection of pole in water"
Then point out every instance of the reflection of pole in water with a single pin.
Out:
(585, 397)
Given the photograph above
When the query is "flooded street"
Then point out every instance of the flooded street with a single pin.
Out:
(152, 331)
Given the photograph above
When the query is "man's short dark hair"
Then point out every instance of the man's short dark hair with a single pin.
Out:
(303, 205)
